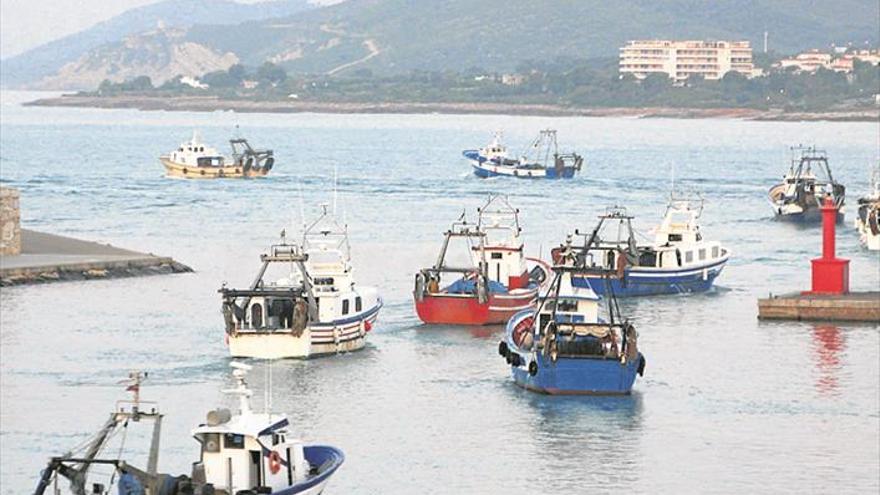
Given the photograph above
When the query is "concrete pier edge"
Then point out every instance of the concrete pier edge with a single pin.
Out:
(852, 306)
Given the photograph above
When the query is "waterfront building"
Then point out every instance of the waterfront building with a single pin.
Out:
(683, 59)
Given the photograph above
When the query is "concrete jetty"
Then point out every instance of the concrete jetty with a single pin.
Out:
(853, 306)
(49, 258)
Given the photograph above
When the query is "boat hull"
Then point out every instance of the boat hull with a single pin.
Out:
(317, 455)
(466, 309)
(650, 282)
(578, 376)
(175, 169)
(315, 340)
(484, 168)
(810, 215)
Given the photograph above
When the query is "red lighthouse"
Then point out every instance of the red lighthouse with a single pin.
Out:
(830, 273)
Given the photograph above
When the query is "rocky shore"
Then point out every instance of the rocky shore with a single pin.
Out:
(210, 104)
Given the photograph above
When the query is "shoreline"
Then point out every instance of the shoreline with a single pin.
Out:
(212, 104)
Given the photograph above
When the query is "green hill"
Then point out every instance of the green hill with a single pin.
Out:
(498, 34)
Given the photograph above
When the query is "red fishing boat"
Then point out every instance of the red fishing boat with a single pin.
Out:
(494, 283)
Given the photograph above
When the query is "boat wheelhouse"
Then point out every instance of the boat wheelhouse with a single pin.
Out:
(194, 160)
(563, 347)
(496, 281)
(314, 308)
(679, 260)
(541, 161)
(247, 452)
(868, 218)
(808, 180)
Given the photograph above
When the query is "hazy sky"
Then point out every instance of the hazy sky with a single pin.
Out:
(25, 24)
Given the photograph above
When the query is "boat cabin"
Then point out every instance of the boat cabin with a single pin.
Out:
(195, 153)
(501, 247)
(247, 451)
(578, 331)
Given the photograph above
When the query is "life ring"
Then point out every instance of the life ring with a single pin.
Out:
(274, 462)
(522, 331)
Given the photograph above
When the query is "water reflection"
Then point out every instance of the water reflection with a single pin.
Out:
(600, 437)
(828, 344)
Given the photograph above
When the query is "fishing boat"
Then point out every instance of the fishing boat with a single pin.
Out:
(678, 260)
(807, 182)
(868, 218)
(495, 284)
(563, 347)
(542, 159)
(314, 308)
(244, 453)
(194, 160)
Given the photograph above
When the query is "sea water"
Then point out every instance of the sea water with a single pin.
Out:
(727, 403)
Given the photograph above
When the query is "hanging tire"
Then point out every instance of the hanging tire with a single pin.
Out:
(533, 368)
(502, 349)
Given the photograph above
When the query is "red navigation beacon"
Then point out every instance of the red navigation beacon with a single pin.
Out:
(830, 273)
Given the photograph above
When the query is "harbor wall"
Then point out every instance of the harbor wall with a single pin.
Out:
(10, 222)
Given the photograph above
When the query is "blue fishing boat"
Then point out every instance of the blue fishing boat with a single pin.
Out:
(564, 348)
(542, 160)
(678, 260)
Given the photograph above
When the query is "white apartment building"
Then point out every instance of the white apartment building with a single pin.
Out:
(683, 59)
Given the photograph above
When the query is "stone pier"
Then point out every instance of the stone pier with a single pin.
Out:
(10, 222)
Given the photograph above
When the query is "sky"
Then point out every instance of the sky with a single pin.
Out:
(25, 24)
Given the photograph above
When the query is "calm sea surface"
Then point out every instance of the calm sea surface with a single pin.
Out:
(728, 404)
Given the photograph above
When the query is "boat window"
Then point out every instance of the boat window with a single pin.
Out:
(702, 254)
(233, 441)
(345, 306)
(496, 256)
(257, 316)
(358, 304)
(648, 258)
(674, 237)
(714, 251)
(678, 257)
(211, 442)
(324, 281)
(567, 305)
(688, 256)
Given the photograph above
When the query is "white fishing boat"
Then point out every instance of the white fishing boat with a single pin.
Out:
(868, 218)
(541, 160)
(808, 180)
(314, 308)
(679, 260)
(244, 453)
(194, 159)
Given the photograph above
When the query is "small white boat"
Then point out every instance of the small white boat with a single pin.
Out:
(314, 308)
(244, 453)
(868, 218)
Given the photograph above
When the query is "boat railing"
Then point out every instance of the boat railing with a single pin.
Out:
(291, 293)
(136, 407)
